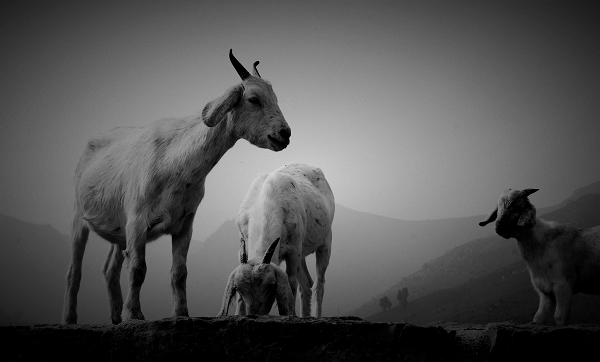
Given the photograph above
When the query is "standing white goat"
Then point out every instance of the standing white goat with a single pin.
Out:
(295, 205)
(562, 260)
(136, 184)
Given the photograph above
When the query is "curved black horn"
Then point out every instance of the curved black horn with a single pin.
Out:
(238, 66)
(255, 71)
(270, 251)
(243, 254)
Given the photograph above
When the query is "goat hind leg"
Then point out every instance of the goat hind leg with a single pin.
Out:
(322, 260)
(79, 237)
(112, 274)
(305, 283)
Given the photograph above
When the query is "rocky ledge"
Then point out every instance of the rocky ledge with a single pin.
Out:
(269, 338)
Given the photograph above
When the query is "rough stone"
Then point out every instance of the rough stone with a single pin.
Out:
(270, 338)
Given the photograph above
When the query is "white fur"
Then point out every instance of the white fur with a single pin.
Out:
(295, 204)
(562, 260)
(136, 184)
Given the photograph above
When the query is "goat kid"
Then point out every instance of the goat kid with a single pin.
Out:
(562, 260)
(136, 184)
(255, 283)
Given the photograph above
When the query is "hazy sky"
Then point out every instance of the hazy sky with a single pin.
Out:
(413, 109)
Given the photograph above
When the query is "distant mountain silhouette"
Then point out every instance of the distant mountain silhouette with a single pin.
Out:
(486, 280)
(370, 253)
(33, 266)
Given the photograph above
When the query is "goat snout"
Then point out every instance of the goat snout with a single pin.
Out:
(280, 139)
(504, 230)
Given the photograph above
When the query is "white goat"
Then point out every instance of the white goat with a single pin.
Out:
(295, 205)
(562, 260)
(136, 184)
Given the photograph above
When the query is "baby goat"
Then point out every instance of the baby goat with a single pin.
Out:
(136, 184)
(562, 260)
(295, 205)
(259, 285)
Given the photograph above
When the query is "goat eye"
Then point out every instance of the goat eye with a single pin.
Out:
(254, 101)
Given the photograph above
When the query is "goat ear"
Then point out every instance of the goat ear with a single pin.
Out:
(490, 218)
(527, 218)
(243, 254)
(284, 296)
(528, 192)
(230, 291)
(216, 110)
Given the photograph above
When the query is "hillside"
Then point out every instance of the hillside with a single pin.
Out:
(369, 254)
(478, 270)
(503, 295)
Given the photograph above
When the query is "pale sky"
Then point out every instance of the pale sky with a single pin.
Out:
(413, 109)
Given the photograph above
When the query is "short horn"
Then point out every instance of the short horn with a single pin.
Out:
(243, 254)
(238, 66)
(255, 71)
(270, 251)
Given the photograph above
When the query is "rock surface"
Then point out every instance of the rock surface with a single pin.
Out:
(269, 338)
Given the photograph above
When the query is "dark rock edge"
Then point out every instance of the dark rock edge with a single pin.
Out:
(270, 338)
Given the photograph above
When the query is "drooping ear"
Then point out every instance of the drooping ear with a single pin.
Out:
(243, 253)
(527, 218)
(283, 295)
(215, 111)
(230, 291)
(490, 218)
(528, 192)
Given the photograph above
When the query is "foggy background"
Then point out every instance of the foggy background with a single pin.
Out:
(414, 110)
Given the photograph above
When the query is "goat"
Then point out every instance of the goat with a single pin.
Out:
(255, 282)
(136, 184)
(562, 260)
(295, 205)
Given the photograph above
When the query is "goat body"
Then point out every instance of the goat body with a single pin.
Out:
(136, 184)
(295, 205)
(561, 260)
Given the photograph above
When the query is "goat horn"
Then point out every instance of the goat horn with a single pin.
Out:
(255, 71)
(270, 251)
(243, 254)
(238, 66)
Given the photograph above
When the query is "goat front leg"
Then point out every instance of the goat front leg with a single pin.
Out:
(240, 306)
(136, 260)
(545, 309)
(564, 295)
(291, 269)
(180, 247)
(112, 274)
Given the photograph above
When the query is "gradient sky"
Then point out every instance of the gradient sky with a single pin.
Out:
(413, 109)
